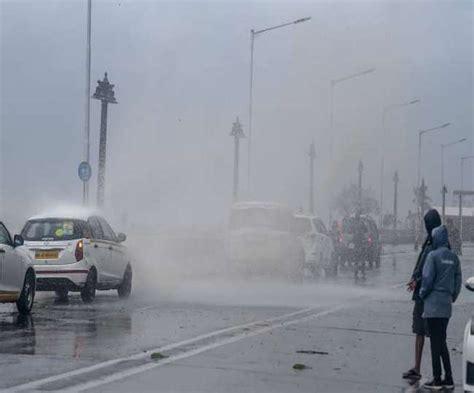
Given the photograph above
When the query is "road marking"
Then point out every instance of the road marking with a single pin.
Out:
(262, 326)
(146, 354)
(145, 367)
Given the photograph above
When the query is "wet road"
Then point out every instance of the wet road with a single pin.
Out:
(228, 336)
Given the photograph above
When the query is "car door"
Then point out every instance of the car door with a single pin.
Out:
(11, 281)
(116, 258)
(99, 252)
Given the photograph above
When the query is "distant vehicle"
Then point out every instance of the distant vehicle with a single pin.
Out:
(261, 241)
(468, 349)
(79, 253)
(370, 247)
(317, 244)
(17, 275)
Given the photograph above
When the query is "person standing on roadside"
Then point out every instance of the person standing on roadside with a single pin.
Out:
(440, 287)
(432, 220)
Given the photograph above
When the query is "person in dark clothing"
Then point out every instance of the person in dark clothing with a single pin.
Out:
(440, 287)
(432, 220)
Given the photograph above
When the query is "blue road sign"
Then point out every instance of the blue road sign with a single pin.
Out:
(84, 171)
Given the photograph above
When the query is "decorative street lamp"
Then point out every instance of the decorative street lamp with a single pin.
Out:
(105, 93)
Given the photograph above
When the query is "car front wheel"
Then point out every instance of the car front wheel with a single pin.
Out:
(25, 303)
(125, 287)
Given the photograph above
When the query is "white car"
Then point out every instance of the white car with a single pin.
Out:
(77, 252)
(318, 246)
(261, 242)
(17, 275)
(468, 349)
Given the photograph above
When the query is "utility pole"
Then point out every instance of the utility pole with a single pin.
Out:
(105, 93)
(396, 179)
(237, 133)
(85, 183)
(312, 157)
(360, 169)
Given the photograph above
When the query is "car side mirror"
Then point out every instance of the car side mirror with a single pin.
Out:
(18, 241)
(470, 284)
(121, 237)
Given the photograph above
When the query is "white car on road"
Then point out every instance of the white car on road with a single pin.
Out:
(261, 242)
(77, 252)
(318, 246)
(17, 275)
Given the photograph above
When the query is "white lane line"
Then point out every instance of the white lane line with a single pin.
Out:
(139, 369)
(141, 355)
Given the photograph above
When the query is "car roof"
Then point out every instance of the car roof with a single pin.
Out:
(259, 205)
(79, 213)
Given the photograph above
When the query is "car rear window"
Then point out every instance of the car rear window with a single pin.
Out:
(54, 229)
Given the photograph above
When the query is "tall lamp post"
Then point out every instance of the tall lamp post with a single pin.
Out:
(396, 179)
(237, 133)
(384, 131)
(334, 83)
(461, 193)
(253, 34)
(421, 133)
(105, 93)
(444, 189)
(312, 157)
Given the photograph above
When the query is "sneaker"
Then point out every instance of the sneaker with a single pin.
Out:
(433, 385)
(448, 383)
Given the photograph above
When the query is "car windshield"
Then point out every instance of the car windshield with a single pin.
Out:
(301, 225)
(53, 229)
(260, 218)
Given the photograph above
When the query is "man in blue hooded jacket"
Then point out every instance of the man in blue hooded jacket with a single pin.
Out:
(440, 287)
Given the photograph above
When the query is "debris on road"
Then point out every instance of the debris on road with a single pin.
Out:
(157, 356)
(300, 366)
(309, 352)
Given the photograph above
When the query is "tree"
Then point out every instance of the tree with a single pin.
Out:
(347, 202)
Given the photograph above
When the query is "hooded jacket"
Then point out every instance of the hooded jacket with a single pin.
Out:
(432, 220)
(441, 281)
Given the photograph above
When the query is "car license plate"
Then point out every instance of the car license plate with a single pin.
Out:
(351, 246)
(47, 254)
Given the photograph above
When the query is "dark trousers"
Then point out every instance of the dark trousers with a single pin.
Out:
(439, 349)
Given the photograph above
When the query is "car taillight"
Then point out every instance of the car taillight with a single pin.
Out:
(340, 239)
(79, 254)
(370, 240)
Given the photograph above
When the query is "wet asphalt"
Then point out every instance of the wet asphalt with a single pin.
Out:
(350, 334)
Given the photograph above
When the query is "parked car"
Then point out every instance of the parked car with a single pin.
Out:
(78, 252)
(365, 233)
(317, 245)
(468, 349)
(261, 241)
(17, 275)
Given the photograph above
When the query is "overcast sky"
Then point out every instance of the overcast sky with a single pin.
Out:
(181, 72)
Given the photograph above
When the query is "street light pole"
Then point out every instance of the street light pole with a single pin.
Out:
(420, 208)
(333, 84)
(444, 189)
(253, 34)
(360, 169)
(384, 132)
(396, 179)
(105, 93)
(237, 133)
(460, 194)
(85, 184)
(312, 157)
